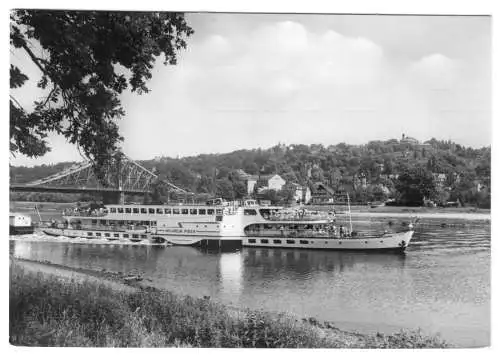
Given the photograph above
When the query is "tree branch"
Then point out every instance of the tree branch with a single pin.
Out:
(35, 59)
(17, 103)
(49, 96)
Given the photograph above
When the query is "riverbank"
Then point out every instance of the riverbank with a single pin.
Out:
(53, 305)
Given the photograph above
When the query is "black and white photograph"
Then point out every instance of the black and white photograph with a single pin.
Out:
(226, 179)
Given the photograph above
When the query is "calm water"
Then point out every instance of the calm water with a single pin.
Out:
(441, 284)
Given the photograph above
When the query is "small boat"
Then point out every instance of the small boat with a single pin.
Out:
(20, 224)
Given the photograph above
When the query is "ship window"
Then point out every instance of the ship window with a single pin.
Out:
(176, 211)
(116, 235)
(135, 210)
(159, 211)
(264, 241)
(94, 221)
(90, 233)
(125, 235)
(153, 223)
(290, 241)
(120, 209)
(128, 210)
(184, 211)
(102, 221)
(151, 211)
(193, 211)
(250, 212)
(113, 210)
(98, 234)
(168, 211)
(106, 235)
(304, 242)
(143, 210)
(210, 211)
(143, 236)
(277, 241)
(135, 236)
(218, 211)
(218, 218)
(251, 241)
(202, 211)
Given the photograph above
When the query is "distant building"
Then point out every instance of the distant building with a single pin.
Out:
(275, 183)
(321, 193)
(302, 193)
(251, 182)
(266, 182)
(408, 140)
(439, 178)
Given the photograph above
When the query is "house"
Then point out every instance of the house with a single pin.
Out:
(302, 193)
(265, 182)
(321, 193)
(251, 182)
(275, 183)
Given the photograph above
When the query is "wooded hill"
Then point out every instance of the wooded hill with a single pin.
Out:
(438, 170)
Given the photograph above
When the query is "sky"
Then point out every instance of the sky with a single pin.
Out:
(254, 80)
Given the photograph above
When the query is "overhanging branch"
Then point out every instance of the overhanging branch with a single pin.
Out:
(35, 59)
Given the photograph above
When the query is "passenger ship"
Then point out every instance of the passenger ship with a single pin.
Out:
(225, 224)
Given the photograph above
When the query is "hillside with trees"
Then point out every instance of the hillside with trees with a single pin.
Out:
(407, 172)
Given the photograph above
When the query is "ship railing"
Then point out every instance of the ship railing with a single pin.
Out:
(84, 213)
(111, 228)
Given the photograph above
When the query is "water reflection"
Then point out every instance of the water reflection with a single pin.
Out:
(300, 263)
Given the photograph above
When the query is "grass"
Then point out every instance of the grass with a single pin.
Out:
(46, 310)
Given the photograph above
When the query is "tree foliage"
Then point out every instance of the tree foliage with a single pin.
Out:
(217, 174)
(86, 60)
(416, 184)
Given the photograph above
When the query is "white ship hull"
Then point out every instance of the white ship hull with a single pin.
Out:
(134, 236)
(394, 241)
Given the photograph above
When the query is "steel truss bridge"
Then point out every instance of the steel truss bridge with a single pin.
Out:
(123, 176)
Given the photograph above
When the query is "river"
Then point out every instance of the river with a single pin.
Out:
(441, 284)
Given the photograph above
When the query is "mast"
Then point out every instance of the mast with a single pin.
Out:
(38, 212)
(349, 210)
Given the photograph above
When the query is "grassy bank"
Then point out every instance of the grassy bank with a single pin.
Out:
(50, 310)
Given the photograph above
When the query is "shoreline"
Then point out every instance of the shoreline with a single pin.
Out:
(136, 283)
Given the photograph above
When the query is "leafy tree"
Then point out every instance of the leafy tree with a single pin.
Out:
(224, 189)
(377, 193)
(286, 195)
(415, 184)
(239, 189)
(86, 60)
(271, 195)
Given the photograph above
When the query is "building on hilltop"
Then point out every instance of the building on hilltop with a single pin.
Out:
(408, 140)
